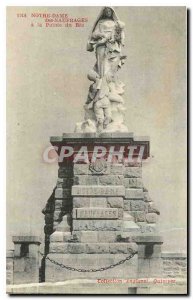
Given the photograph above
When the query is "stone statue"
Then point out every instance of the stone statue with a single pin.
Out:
(104, 108)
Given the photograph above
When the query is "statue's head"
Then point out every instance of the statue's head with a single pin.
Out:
(108, 13)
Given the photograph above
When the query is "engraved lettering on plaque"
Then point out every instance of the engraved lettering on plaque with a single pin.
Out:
(97, 213)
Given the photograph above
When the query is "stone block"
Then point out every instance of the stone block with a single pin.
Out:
(115, 202)
(65, 224)
(98, 190)
(133, 172)
(64, 182)
(81, 202)
(58, 236)
(62, 193)
(101, 225)
(85, 180)
(147, 228)
(97, 248)
(127, 205)
(87, 236)
(64, 172)
(98, 202)
(107, 236)
(118, 248)
(111, 180)
(26, 239)
(127, 216)
(133, 164)
(133, 182)
(57, 215)
(131, 226)
(76, 248)
(96, 213)
(58, 247)
(133, 193)
(62, 203)
(120, 213)
(139, 216)
(117, 169)
(137, 205)
(81, 169)
(151, 218)
(126, 248)
(146, 197)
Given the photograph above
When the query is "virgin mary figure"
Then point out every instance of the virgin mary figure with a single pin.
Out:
(107, 38)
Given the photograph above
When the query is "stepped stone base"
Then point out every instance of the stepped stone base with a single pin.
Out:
(97, 209)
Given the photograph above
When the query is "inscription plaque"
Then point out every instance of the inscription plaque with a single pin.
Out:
(98, 190)
(97, 213)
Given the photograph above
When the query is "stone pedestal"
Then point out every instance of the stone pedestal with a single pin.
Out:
(99, 208)
(26, 259)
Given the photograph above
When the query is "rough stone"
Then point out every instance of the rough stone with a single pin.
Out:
(130, 226)
(102, 225)
(58, 247)
(133, 193)
(65, 225)
(117, 169)
(115, 202)
(127, 205)
(98, 190)
(64, 172)
(81, 169)
(76, 248)
(98, 202)
(87, 236)
(64, 182)
(134, 164)
(151, 218)
(127, 216)
(133, 172)
(62, 203)
(81, 202)
(57, 237)
(133, 182)
(139, 216)
(137, 205)
(147, 228)
(62, 193)
(118, 248)
(107, 236)
(146, 197)
(57, 215)
(120, 213)
(111, 180)
(97, 248)
(85, 180)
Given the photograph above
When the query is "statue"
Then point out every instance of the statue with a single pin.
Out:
(104, 108)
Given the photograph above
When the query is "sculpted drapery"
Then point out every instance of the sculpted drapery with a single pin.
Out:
(104, 106)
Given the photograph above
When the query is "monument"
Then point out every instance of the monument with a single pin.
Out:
(100, 221)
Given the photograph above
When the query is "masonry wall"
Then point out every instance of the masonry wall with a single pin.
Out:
(9, 266)
(174, 265)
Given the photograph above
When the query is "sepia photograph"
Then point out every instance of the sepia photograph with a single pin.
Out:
(96, 167)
